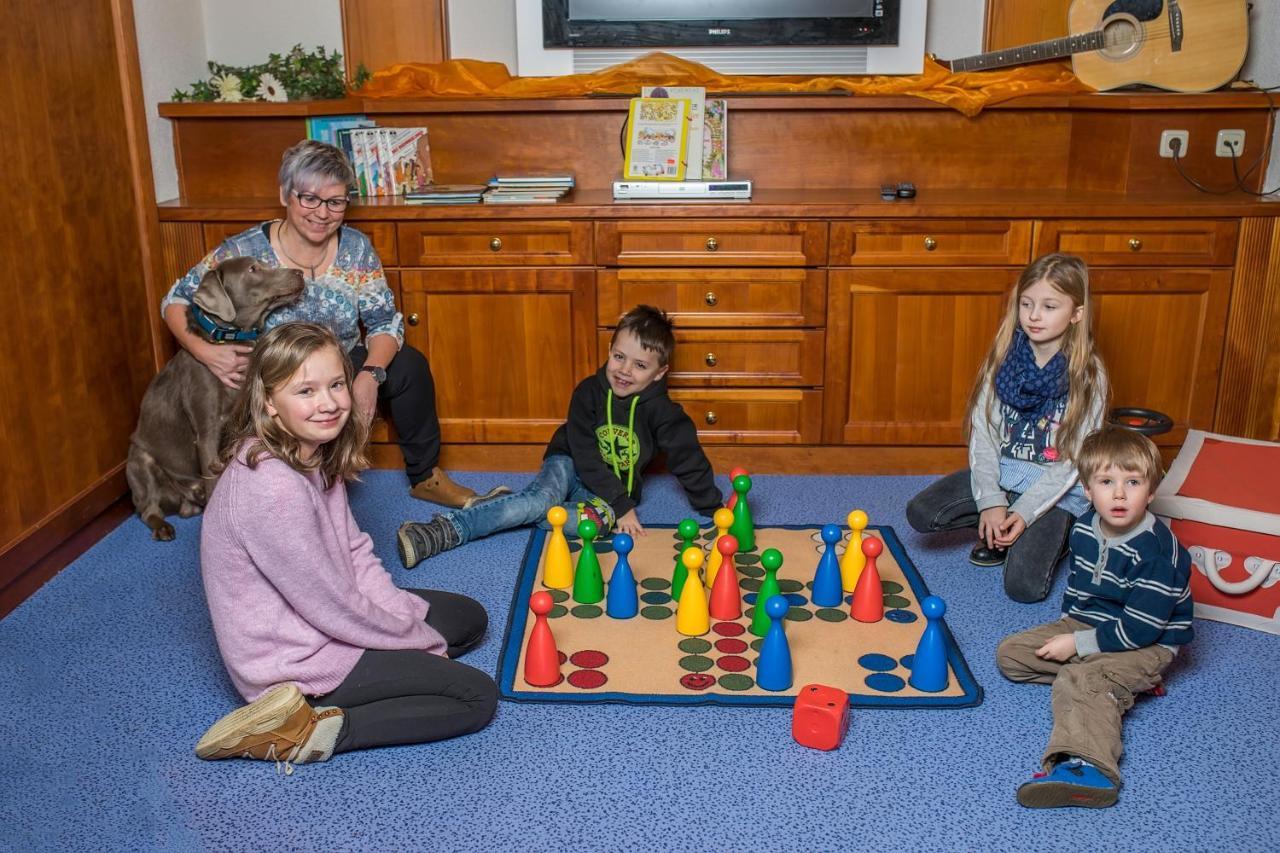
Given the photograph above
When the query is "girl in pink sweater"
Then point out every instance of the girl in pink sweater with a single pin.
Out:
(301, 606)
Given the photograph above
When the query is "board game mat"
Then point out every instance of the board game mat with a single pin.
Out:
(644, 660)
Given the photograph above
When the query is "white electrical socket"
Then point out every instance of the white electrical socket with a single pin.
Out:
(1230, 143)
(1167, 136)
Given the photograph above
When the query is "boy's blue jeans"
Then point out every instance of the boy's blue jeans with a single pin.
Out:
(557, 483)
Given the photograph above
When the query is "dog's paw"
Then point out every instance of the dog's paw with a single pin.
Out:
(190, 509)
(163, 532)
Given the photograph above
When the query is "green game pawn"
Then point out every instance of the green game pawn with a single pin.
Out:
(771, 559)
(743, 529)
(688, 531)
(588, 582)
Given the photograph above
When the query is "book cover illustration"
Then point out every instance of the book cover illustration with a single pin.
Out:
(410, 161)
(697, 96)
(657, 139)
(715, 140)
(325, 128)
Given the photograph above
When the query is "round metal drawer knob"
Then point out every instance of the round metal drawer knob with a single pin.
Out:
(412, 319)
(495, 245)
(1135, 244)
(710, 298)
(712, 244)
(711, 417)
(930, 244)
(711, 359)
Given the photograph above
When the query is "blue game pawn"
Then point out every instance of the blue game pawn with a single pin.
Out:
(622, 602)
(828, 589)
(773, 668)
(929, 666)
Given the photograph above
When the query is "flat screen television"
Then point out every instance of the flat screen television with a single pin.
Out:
(718, 23)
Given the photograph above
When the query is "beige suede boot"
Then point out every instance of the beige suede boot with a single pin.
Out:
(278, 726)
(438, 488)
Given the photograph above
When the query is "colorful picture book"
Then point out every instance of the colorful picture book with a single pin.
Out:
(527, 189)
(387, 161)
(657, 139)
(446, 194)
(696, 96)
(715, 140)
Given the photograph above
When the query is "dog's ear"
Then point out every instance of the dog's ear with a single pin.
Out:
(212, 296)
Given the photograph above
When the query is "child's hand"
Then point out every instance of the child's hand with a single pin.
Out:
(1061, 647)
(989, 523)
(629, 523)
(1010, 529)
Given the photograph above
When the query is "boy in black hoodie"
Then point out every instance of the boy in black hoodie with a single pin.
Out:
(619, 419)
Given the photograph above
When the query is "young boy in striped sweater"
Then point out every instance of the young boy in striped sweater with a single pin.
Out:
(1126, 611)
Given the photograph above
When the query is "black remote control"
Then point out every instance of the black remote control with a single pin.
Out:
(906, 190)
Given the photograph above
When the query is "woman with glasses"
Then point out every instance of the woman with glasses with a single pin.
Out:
(345, 288)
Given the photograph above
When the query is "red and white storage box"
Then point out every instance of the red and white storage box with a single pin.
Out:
(1221, 498)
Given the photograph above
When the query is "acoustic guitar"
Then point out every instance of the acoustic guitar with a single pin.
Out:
(1179, 45)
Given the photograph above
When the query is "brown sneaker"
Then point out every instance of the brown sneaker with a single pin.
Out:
(278, 726)
(495, 492)
(439, 489)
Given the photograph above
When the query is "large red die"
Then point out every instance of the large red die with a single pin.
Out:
(820, 717)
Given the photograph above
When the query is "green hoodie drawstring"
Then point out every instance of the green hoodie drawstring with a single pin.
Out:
(631, 429)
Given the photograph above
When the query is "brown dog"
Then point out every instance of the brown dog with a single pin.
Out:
(183, 410)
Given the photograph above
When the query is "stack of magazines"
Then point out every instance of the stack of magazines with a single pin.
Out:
(447, 194)
(527, 189)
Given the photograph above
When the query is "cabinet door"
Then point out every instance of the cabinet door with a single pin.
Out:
(1161, 333)
(903, 348)
(506, 347)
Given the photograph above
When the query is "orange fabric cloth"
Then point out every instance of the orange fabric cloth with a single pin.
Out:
(967, 92)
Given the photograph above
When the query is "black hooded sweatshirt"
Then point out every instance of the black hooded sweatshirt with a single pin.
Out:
(660, 425)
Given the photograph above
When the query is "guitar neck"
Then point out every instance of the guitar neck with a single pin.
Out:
(1051, 49)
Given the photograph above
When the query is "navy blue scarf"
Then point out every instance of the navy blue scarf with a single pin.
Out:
(1024, 386)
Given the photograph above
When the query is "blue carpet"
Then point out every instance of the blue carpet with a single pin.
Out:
(109, 675)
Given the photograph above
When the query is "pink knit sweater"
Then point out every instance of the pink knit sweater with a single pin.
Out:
(294, 588)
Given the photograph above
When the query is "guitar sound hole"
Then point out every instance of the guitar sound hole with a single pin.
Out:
(1121, 37)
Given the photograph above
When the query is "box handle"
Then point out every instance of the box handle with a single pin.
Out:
(1211, 562)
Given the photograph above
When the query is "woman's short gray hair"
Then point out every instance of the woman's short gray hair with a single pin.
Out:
(311, 163)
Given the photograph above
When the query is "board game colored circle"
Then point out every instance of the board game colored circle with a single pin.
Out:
(798, 614)
(752, 586)
(788, 585)
(795, 599)
(559, 595)
(751, 572)
(733, 663)
(694, 646)
(655, 583)
(587, 679)
(896, 601)
(587, 611)
(731, 645)
(709, 535)
(697, 681)
(737, 681)
(557, 611)
(604, 547)
(747, 559)
(728, 629)
(589, 659)
(901, 616)
(655, 597)
(655, 612)
(696, 663)
(877, 663)
(890, 587)
(563, 657)
(882, 681)
(908, 661)
(757, 644)
(831, 614)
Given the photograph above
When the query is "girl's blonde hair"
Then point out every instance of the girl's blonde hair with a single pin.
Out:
(1069, 275)
(278, 355)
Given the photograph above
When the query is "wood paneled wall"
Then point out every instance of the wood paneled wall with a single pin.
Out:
(76, 277)
(1011, 23)
(382, 33)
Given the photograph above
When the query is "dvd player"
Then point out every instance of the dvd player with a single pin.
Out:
(681, 189)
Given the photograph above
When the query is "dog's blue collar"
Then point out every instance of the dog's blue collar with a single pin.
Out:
(217, 332)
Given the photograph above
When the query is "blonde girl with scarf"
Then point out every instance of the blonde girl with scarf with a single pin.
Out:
(1041, 390)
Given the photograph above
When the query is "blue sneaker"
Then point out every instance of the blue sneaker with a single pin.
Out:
(1074, 782)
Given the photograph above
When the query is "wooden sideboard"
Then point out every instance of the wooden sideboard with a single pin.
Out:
(818, 327)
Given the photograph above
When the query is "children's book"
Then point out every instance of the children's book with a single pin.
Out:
(410, 160)
(325, 128)
(697, 96)
(657, 139)
(715, 140)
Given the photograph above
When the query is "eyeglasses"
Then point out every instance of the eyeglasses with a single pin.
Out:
(311, 201)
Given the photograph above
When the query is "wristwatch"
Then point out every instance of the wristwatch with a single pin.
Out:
(379, 373)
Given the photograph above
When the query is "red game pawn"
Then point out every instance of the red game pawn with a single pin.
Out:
(733, 475)
(726, 596)
(868, 597)
(541, 659)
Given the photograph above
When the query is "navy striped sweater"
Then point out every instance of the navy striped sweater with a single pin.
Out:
(1135, 590)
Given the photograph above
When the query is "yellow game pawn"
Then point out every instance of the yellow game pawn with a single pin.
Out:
(853, 560)
(692, 615)
(723, 518)
(558, 571)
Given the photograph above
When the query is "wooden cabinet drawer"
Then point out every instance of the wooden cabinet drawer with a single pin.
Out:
(734, 297)
(1141, 242)
(783, 357)
(753, 416)
(498, 243)
(931, 242)
(381, 234)
(712, 242)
